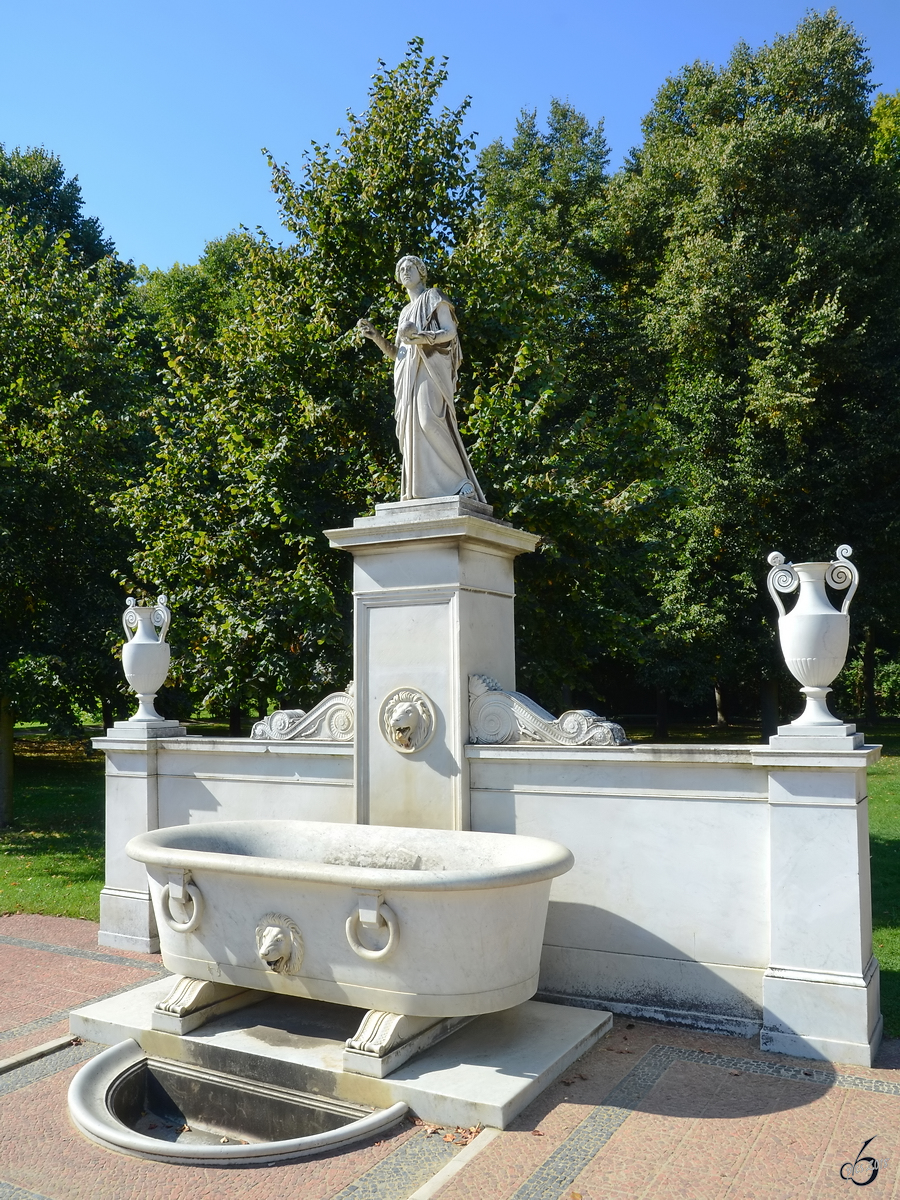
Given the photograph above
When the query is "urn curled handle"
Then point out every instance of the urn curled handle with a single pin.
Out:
(843, 574)
(160, 615)
(782, 578)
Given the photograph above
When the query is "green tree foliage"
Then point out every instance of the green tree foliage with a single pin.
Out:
(278, 421)
(557, 425)
(34, 187)
(886, 128)
(70, 385)
(758, 235)
(202, 296)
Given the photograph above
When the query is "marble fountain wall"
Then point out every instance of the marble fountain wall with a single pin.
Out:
(721, 886)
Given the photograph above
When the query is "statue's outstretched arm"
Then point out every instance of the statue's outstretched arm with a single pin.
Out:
(368, 330)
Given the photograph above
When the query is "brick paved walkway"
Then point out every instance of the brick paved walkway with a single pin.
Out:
(653, 1111)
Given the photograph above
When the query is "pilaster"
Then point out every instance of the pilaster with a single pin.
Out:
(127, 921)
(821, 990)
(433, 603)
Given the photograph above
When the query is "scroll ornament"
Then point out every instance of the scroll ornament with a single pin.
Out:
(498, 717)
(332, 720)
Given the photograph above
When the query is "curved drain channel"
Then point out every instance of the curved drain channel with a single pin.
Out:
(178, 1113)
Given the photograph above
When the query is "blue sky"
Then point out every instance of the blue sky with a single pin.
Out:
(161, 108)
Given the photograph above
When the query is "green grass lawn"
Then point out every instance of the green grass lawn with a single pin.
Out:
(884, 843)
(51, 860)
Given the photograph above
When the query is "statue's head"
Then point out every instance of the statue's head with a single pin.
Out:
(411, 260)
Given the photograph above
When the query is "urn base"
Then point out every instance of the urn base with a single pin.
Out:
(830, 738)
(146, 730)
(816, 713)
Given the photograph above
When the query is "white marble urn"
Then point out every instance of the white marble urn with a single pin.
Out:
(146, 653)
(814, 635)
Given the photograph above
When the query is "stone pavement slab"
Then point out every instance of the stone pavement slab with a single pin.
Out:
(693, 1115)
(49, 965)
(653, 1112)
(59, 931)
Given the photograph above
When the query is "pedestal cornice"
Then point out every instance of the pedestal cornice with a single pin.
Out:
(444, 519)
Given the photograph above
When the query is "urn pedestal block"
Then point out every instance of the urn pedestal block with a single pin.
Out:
(126, 912)
(821, 994)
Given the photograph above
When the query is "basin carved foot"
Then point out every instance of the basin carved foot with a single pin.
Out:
(190, 1003)
(386, 1040)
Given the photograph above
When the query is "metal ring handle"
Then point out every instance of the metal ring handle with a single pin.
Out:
(390, 919)
(197, 903)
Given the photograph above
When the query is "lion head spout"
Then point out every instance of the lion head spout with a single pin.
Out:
(279, 943)
(407, 719)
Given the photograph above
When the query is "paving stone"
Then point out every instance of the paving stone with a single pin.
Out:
(652, 1112)
(61, 931)
(41, 1068)
(401, 1173)
(34, 1033)
(9, 1191)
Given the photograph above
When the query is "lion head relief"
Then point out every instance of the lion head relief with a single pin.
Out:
(407, 719)
(279, 943)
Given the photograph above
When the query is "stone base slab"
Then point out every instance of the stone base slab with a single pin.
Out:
(127, 921)
(806, 736)
(860, 1054)
(484, 1073)
(814, 1015)
(808, 742)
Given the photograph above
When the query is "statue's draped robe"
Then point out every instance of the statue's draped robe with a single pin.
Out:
(435, 462)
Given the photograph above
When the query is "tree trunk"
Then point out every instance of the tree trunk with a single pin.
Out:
(661, 732)
(721, 719)
(107, 716)
(234, 721)
(6, 761)
(870, 704)
(768, 704)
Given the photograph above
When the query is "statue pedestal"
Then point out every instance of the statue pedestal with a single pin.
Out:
(433, 603)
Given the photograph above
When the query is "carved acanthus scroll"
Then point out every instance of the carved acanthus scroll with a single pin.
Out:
(332, 720)
(497, 717)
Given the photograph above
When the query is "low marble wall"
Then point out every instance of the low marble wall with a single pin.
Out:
(722, 886)
(154, 783)
(667, 908)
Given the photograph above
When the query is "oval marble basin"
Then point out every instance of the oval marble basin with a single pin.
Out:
(423, 922)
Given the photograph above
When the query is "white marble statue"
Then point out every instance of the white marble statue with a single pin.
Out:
(426, 354)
